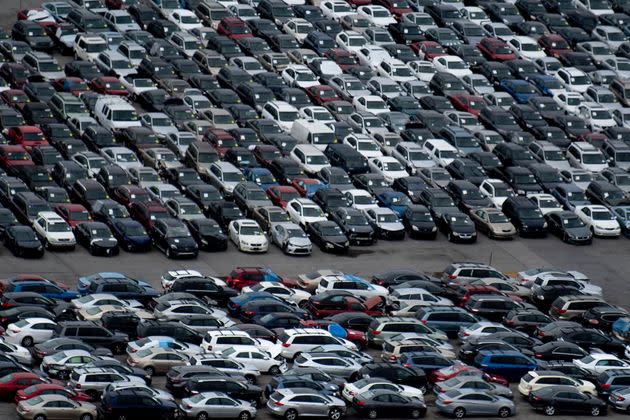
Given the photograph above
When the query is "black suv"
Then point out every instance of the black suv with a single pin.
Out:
(93, 334)
(170, 329)
(525, 216)
(397, 374)
(122, 289)
(204, 288)
(127, 403)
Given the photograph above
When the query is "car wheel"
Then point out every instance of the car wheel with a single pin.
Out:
(334, 414)
(168, 253)
(372, 414)
(504, 412)
(296, 355)
(415, 414)
(550, 410)
(291, 415)
(27, 341)
(86, 417)
(63, 375)
(274, 370)
(244, 416)
(596, 411)
(94, 395)
(118, 348)
(149, 370)
(459, 413)
(250, 379)
(202, 416)
(423, 389)
(122, 417)
(39, 417)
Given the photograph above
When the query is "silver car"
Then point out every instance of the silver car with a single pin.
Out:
(472, 383)
(620, 399)
(290, 238)
(459, 403)
(216, 405)
(329, 363)
(339, 350)
(304, 402)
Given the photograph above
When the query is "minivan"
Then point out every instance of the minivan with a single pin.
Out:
(525, 216)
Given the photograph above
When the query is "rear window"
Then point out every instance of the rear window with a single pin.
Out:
(527, 377)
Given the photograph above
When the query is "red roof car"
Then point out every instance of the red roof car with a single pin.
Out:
(74, 85)
(468, 103)
(27, 136)
(73, 214)
(16, 381)
(344, 59)
(496, 50)
(29, 277)
(15, 98)
(320, 94)
(234, 28)
(49, 389)
(129, 194)
(302, 185)
(148, 212)
(458, 369)
(395, 7)
(266, 153)
(12, 156)
(428, 49)
(248, 276)
(221, 140)
(554, 45)
(280, 195)
(108, 85)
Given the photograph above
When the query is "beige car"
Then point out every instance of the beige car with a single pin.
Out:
(57, 407)
(156, 360)
(493, 223)
(505, 286)
(95, 313)
(310, 281)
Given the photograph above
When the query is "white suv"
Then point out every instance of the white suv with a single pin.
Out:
(292, 342)
(304, 211)
(53, 231)
(219, 340)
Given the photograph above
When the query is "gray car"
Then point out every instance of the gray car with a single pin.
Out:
(216, 405)
(620, 399)
(330, 363)
(472, 383)
(304, 402)
(459, 403)
(249, 196)
(339, 350)
(290, 238)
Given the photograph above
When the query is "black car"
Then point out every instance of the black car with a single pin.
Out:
(590, 339)
(261, 307)
(328, 236)
(130, 235)
(208, 234)
(203, 288)
(522, 180)
(467, 169)
(121, 368)
(169, 328)
(525, 320)
(457, 226)
(22, 241)
(329, 199)
(470, 349)
(411, 186)
(566, 399)
(12, 315)
(467, 196)
(606, 194)
(172, 237)
(559, 350)
(92, 334)
(385, 403)
(132, 403)
(397, 374)
(602, 317)
(437, 201)
(569, 227)
(7, 219)
(96, 238)
(33, 34)
(544, 296)
(525, 216)
(229, 386)
(125, 322)
(354, 224)
(418, 222)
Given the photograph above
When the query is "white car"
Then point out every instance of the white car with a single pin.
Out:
(596, 116)
(21, 354)
(29, 331)
(298, 75)
(573, 79)
(474, 14)
(281, 112)
(352, 389)
(261, 360)
(53, 231)
(372, 55)
(535, 380)
(547, 203)
(351, 41)
(336, 9)
(304, 211)
(298, 28)
(164, 342)
(310, 158)
(477, 84)
(526, 48)
(569, 101)
(452, 64)
(363, 143)
(395, 70)
(496, 190)
(599, 220)
(137, 85)
(317, 113)
(415, 296)
(100, 299)
(356, 286)
(389, 167)
(185, 19)
(360, 199)
(423, 70)
(249, 64)
(171, 276)
(248, 236)
(597, 363)
(378, 15)
(297, 296)
(370, 103)
(480, 329)
(60, 364)
(121, 156)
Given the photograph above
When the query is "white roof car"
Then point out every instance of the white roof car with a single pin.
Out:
(596, 116)
(360, 199)
(363, 144)
(547, 203)
(351, 40)
(480, 329)
(248, 236)
(378, 15)
(164, 342)
(98, 299)
(539, 379)
(496, 190)
(526, 48)
(264, 361)
(298, 75)
(599, 219)
(184, 19)
(281, 112)
(54, 230)
(299, 297)
(597, 363)
(389, 167)
(452, 64)
(352, 389)
(121, 156)
(29, 331)
(573, 79)
(310, 158)
(396, 70)
(304, 211)
(416, 296)
(357, 287)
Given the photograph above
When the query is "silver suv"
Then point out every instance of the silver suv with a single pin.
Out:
(298, 402)
(464, 272)
(93, 381)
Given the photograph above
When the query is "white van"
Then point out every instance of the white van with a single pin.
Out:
(313, 132)
(440, 151)
(115, 113)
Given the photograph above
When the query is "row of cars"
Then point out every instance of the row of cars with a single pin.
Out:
(323, 344)
(306, 125)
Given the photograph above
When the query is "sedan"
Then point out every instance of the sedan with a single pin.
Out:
(566, 399)
(218, 404)
(97, 238)
(156, 360)
(493, 223)
(569, 227)
(290, 238)
(458, 403)
(56, 407)
(373, 404)
(473, 383)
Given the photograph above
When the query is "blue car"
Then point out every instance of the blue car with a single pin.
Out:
(261, 176)
(44, 288)
(236, 303)
(395, 201)
(545, 83)
(428, 361)
(622, 214)
(84, 282)
(520, 90)
(512, 365)
(131, 235)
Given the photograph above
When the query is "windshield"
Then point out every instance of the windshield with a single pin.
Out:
(529, 213)
(572, 222)
(459, 221)
(497, 218)
(250, 230)
(593, 158)
(177, 232)
(310, 211)
(421, 216)
(59, 227)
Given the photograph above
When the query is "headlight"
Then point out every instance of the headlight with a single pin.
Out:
(545, 225)
(39, 248)
(433, 229)
(455, 234)
(329, 245)
(204, 242)
(415, 228)
(173, 246)
(347, 243)
(520, 192)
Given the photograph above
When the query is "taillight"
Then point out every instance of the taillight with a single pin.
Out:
(605, 386)
(593, 321)
(538, 356)
(423, 321)
(78, 386)
(452, 276)
(446, 402)
(360, 402)
(466, 334)
(278, 403)
(249, 313)
(286, 344)
(376, 332)
(620, 398)
(536, 398)
(562, 311)
(392, 358)
(510, 322)
(407, 365)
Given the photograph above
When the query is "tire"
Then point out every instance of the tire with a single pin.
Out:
(118, 348)
(149, 370)
(596, 411)
(296, 355)
(459, 413)
(334, 414)
(63, 375)
(372, 414)
(94, 396)
(274, 370)
(39, 417)
(549, 410)
(415, 414)
(27, 342)
(244, 416)
(122, 417)
(423, 389)
(202, 416)
(504, 412)
(250, 379)
(291, 414)
(86, 417)
(168, 253)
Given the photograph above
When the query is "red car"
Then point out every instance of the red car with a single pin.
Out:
(248, 276)
(596, 139)
(221, 140)
(457, 369)
(305, 185)
(148, 212)
(15, 98)
(28, 136)
(12, 156)
(49, 389)
(265, 153)
(234, 28)
(554, 45)
(280, 195)
(74, 85)
(357, 337)
(395, 7)
(14, 382)
(23, 15)
(344, 59)
(108, 85)
(428, 49)
(15, 74)
(29, 277)
(333, 303)
(321, 94)
(468, 103)
(357, 3)
(496, 50)
(73, 214)
(129, 194)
